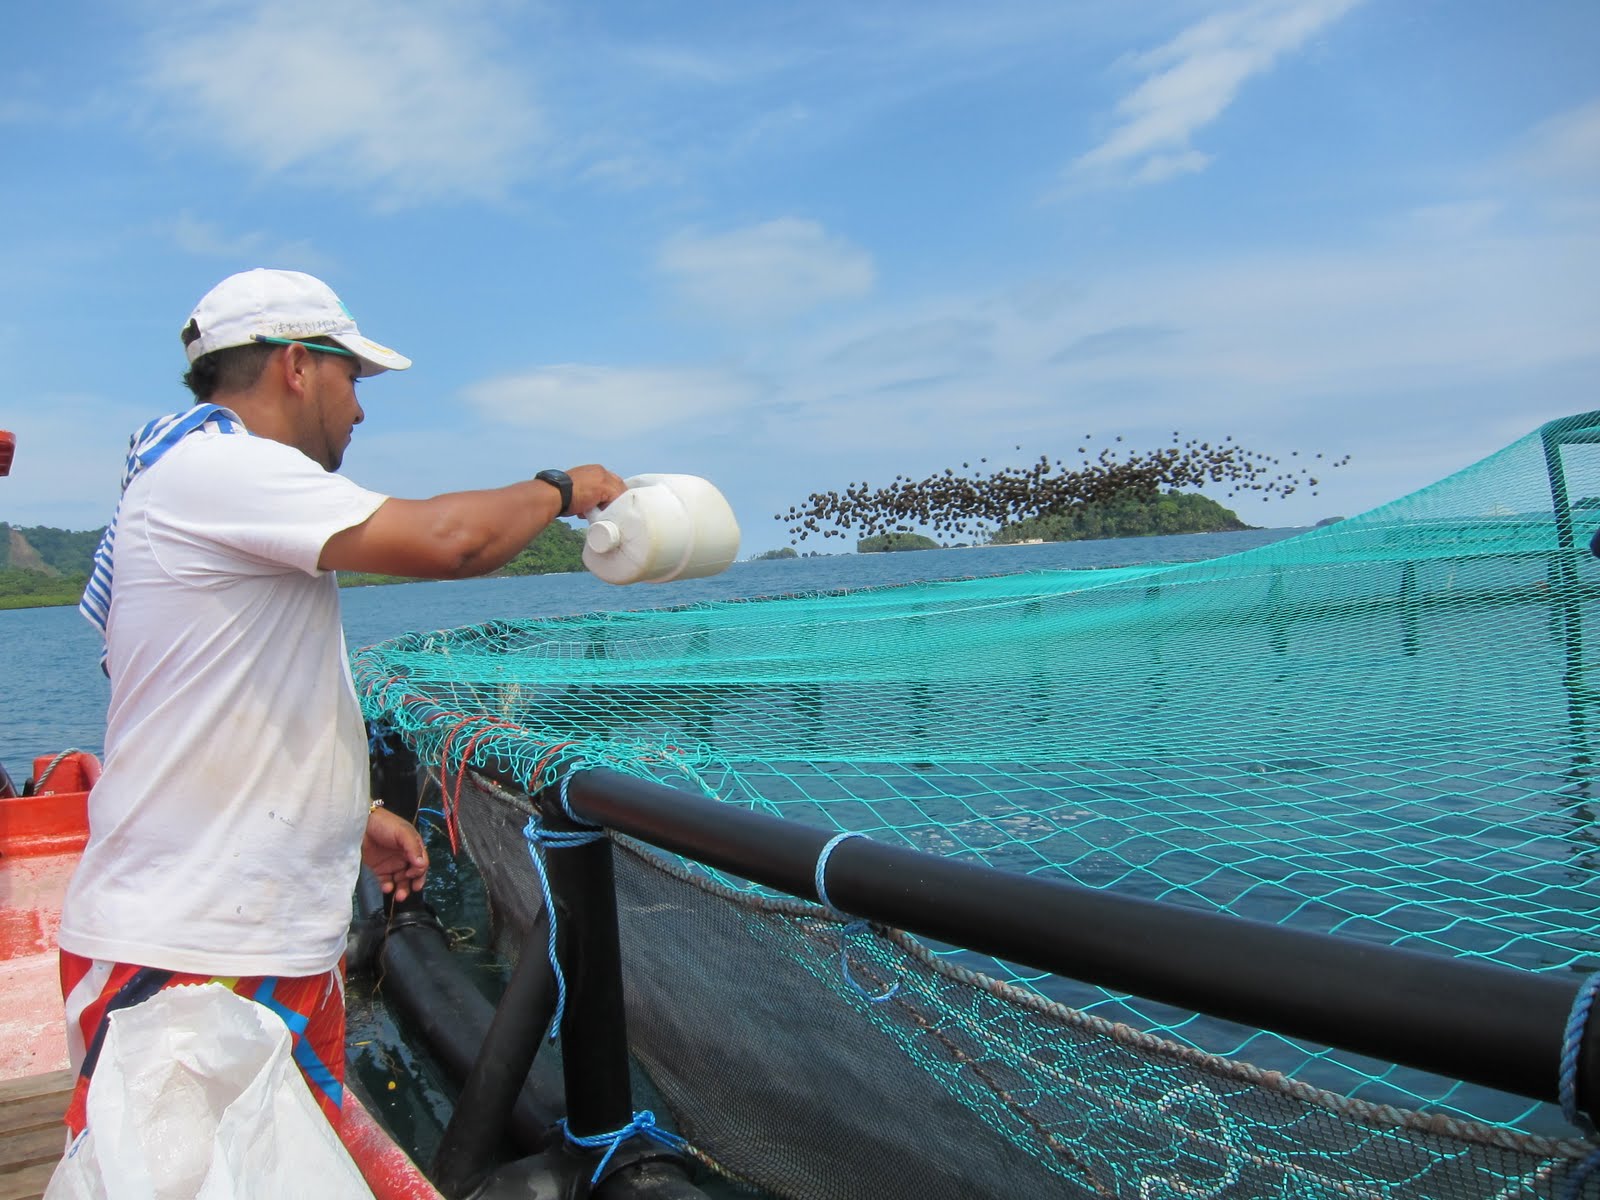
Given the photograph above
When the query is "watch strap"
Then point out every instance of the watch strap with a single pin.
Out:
(562, 482)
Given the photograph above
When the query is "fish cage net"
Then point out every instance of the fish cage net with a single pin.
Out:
(1380, 729)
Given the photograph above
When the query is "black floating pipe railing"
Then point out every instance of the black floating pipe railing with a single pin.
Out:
(405, 945)
(605, 1157)
(422, 981)
(506, 1090)
(594, 1023)
(482, 1113)
(1469, 1020)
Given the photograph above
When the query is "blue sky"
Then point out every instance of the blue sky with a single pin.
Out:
(792, 246)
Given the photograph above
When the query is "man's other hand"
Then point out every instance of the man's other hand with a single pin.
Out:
(394, 852)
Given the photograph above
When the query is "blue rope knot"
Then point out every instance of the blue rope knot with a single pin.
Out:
(643, 1122)
(378, 740)
(856, 926)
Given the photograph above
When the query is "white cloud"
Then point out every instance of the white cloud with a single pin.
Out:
(203, 238)
(1568, 145)
(627, 173)
(1355, 323)
(612, 402)
(1415, 355)
(206, 239)
(1190, 81)
(1450, 220)
(768, 271)
(1159, 168)
(405, 100)
(946, 341)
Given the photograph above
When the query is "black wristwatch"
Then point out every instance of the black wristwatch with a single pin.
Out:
(562, 482)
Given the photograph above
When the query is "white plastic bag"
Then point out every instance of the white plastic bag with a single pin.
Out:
(196, 1097)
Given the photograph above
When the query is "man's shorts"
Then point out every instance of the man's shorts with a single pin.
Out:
(312, 1006)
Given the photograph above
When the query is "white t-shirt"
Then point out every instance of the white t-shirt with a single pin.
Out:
(225, 831)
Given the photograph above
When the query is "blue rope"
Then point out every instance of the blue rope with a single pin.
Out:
(538, 836)
(566, 807)
(1570, 1044)
(643, 1122)
(820, 880)
(378, 740)
(822, 866)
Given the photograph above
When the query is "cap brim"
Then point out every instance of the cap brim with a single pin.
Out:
(374, 358)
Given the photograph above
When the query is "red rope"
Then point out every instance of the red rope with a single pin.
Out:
(452, 803)
(539, 767)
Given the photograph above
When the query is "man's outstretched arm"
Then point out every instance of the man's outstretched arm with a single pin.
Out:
(461, 534)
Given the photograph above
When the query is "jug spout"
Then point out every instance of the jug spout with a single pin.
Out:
(603, 536)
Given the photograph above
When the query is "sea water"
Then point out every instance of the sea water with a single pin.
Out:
(53, 695)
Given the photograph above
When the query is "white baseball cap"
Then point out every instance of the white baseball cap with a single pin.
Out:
(277, 306)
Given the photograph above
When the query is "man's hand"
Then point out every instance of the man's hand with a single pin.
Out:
(593, 486)
(394, 852)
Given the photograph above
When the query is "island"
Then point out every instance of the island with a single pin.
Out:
(1122, 516)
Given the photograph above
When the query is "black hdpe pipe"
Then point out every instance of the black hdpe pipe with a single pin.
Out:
(594, 1024)
(506, 1090)
(478, 1122)
(1477, 1022)
(424, 982)
(594, 1039)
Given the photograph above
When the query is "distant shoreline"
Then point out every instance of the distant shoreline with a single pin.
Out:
(10, 602)
(62, 600)
(70, 599)
(1002, 545)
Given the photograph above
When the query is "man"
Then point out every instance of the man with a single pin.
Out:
(227, 827)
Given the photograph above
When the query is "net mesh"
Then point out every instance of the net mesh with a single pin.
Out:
(1381, 729)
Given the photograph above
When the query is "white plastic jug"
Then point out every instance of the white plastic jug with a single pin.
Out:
(663, 527)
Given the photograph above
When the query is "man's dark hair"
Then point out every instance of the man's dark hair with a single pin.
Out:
(230, 370)
(233, 369)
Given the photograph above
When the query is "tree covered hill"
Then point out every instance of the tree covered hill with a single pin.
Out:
(1126, 515)
(49, 551)
(559, 548)
(40, 565)
(885, 543)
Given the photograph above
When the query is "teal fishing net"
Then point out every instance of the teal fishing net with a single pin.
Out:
(1382, 729)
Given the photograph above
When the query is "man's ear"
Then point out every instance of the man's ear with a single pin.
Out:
(295, 364)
